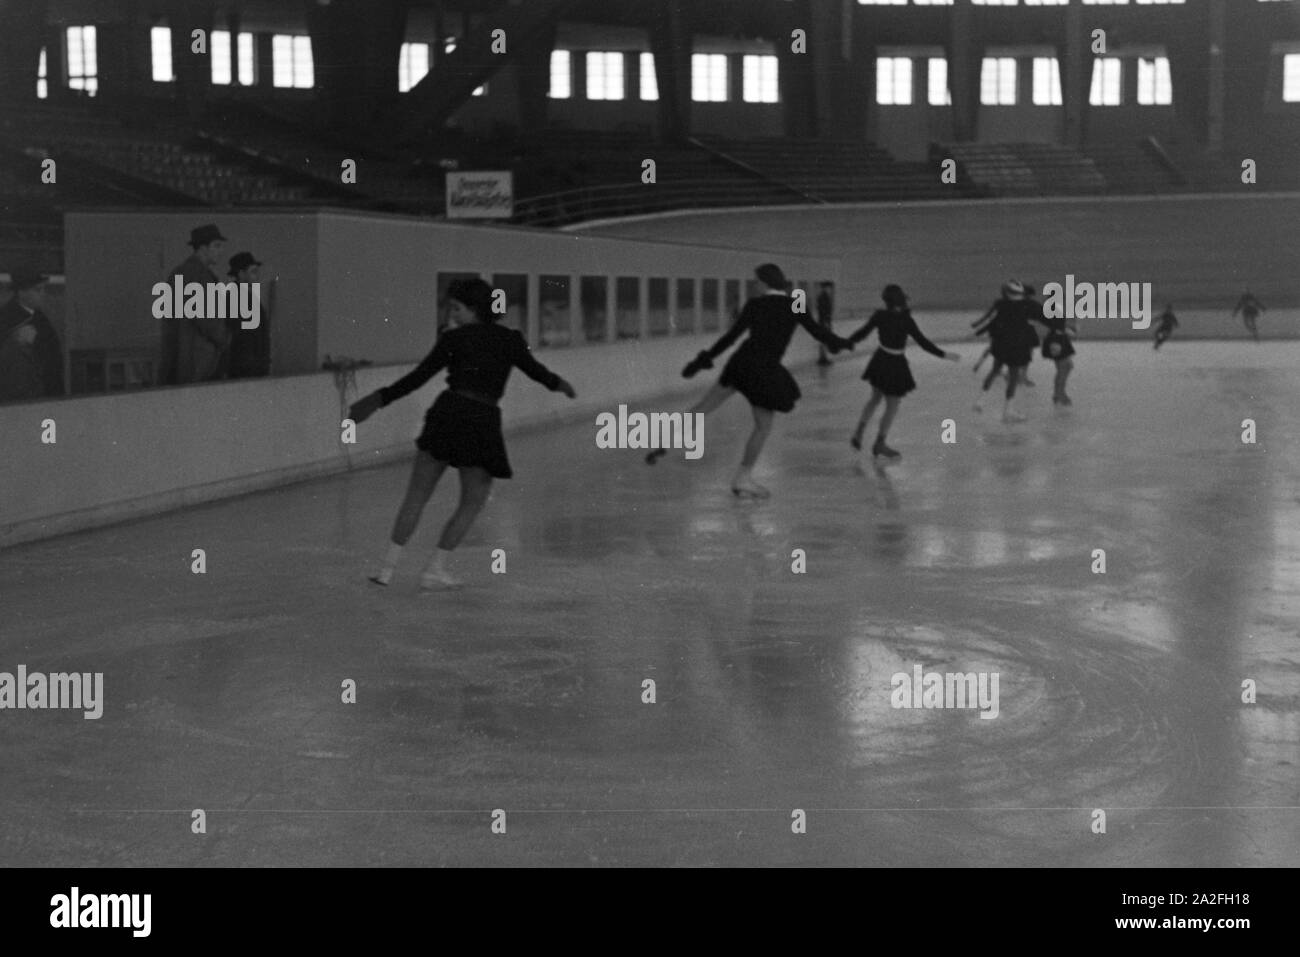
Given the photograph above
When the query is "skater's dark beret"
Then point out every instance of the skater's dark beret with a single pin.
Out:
(893, 295)
(770, 275)
(474, 293)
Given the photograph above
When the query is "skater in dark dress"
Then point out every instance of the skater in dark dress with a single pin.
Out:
(462, 429)
(1166, 325)
(755, 369)
(1014, 341)
(1058, 345)
(1250, 309)
(888, 372)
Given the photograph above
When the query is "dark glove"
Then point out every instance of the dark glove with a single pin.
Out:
(702, 361)
(365, 407)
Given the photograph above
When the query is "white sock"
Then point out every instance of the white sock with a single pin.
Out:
(390, 563)
(437, 568)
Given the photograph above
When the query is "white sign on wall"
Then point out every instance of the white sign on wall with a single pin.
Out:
(481, 195)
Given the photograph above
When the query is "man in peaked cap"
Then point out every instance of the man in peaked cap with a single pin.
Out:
(250, 349)
(31, 357)
(196, 350)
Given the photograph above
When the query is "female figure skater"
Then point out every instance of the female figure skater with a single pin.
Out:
(463, 427)
(1168, 323)
(1250, 309)
(1014, 340)
(981, 325)
(1058, 345)
(755, 369)
(888, 372)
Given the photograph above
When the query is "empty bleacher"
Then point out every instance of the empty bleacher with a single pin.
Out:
(1022, 169)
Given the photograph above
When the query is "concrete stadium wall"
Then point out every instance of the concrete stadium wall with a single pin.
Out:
(1199, 252)
(127, 455)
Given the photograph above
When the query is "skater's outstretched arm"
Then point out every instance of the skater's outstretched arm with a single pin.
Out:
(728, 338)
(431, 365)
(989, 313)
(923, 342)
(823, 335)
(865, 330)
(523, 359)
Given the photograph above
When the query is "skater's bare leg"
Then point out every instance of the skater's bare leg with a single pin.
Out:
(868, 411)
(743, 483)
(716, 395)
(1063, 369)
(475, 487)
(425, 473)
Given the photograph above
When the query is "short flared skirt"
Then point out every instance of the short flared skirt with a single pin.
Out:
(890, 373)
(766, 384)
(1057, 345)
(465, 434)
(1015, 347)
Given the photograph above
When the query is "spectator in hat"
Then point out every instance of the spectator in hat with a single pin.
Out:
(196, 350)
(31, 356)
(250, 349)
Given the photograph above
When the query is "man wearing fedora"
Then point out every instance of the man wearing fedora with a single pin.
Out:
(31, 357)
(196, 350)
(250, 349)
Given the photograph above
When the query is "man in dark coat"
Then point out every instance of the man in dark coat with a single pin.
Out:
(31, 356)
(196, 350)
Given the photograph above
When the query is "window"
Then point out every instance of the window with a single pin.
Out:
(1291, 78)
(933, 3)
(1105, 82)
(760, 79)
(709, 77)
(1046, 3)
(658, 319)
(709, 305)
(1160, 1)
(412, 65)
(222, 65)
(291, 63)
(604, 76)
(1104, 1)
(83, 64)
(593, 300)
(684, 317)
(556, 308)
(995, 3)
(561, 75)
(1154, 88)
(1047, 81)
(627, 306)
(42, 84)
(938, 93)
(893, 80)
(160, 42)
(998, 81)
(649, 80)
(882, 3)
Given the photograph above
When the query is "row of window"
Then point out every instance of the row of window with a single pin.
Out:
(709, 76)
(998, 81)
(292, 67)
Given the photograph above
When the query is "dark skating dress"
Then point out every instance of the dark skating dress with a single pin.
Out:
(458, 430)
(888, 369)
(1056, 343)
(755, 370)
(1014, 339)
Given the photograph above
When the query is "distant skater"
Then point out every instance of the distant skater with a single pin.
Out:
(981, 326)
(462, 429)
(1166, 325)
(1014, 340)
(888, 371)
(1250, 309)
(1058, 345)
(755, 370)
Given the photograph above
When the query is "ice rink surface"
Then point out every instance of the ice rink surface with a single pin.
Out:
(523, 691)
